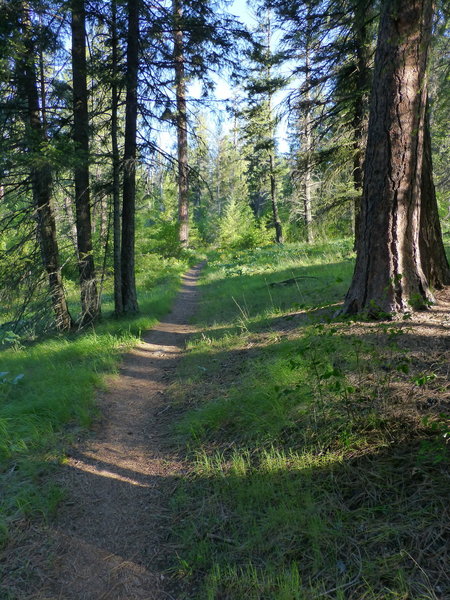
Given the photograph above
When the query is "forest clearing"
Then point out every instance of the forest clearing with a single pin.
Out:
(224, 300)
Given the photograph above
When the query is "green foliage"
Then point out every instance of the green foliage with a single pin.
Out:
(239, 229)
(47, 393)
(308, 479)
(153, 270)
(161, 238)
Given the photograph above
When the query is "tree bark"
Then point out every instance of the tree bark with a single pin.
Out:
(434, 260)
(389, 275)
(118, 304)
(272, 175)
(273, 196)
(41, 181)
(307, 143)
(90, 306)
(129, 294)
(182, 141)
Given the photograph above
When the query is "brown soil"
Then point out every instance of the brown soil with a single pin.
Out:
(110, 537)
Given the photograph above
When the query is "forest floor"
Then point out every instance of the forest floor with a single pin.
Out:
(106, 541)
(272, 450)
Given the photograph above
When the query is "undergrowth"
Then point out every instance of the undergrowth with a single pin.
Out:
(47, 393)
(317, 444)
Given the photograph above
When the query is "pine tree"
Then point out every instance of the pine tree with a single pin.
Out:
(259, 121)
(331, 45)
(181, 121)
(90, 301)
(129, 294)
(394, 270)
(40, 172)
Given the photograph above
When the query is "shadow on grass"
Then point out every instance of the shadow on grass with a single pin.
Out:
(268, 525)
(294, 500)
(284, 526)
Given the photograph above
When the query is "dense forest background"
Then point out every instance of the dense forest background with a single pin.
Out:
(89, 90)
(279, 427)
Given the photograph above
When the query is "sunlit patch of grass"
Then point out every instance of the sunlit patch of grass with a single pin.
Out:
(309, 474)
(245, 285)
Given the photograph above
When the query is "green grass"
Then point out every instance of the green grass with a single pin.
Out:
(313, 474)
(47, 393)
(238, 285)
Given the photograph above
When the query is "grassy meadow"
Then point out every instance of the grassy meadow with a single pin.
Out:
(316, 443)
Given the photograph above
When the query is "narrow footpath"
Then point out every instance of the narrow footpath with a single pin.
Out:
(110, 533)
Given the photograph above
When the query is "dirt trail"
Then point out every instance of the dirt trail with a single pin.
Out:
(109, 534)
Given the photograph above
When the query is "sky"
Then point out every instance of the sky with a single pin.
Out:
(224, 91)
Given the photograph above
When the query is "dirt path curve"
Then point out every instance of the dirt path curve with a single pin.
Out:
(110, 532)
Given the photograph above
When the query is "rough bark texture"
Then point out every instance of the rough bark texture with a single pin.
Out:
(182, 141)
(389, 275)
(41, 181)
(434, 260)
(129, 295)
(90, 306)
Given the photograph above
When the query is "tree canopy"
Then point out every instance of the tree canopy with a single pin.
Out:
(114, 142)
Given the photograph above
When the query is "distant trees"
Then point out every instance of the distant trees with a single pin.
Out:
(328, 50)
(203, 39)
(80, 166)
(259, 121)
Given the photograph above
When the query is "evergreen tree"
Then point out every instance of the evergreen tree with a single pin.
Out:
(129, 294)
(330, 45)
(201, 39)
(181, 122)
(40, 172)
(259, 121)
(90, 301)
(394, 270)
(115, 74)
(28, 161)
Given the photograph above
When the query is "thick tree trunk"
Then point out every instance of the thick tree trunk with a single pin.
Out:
(307, 145)
(389, 274)
(129, 295)
(432, 251)
(90, 306)
(41, 180)
(273, 197)
(182, 141)
(118, 304)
